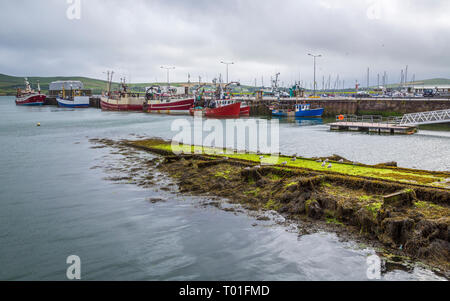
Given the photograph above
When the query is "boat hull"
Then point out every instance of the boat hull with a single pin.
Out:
(77, 102)
(31, 100)
(310, 113)
(121, 105)
(173, 106)
(245, 111)
(228, 111)
(278, 113)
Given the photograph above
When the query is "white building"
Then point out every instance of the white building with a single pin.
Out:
(67, 84)
(437, 88)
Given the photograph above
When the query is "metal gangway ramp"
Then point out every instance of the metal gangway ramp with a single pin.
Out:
(442, 116)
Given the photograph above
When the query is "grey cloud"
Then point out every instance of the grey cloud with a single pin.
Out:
(263, 37)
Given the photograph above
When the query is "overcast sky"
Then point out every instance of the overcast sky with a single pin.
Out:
(136, 37)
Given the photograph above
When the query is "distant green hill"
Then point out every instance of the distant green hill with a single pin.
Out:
(10, 84)
(426, 82)
(434, 81)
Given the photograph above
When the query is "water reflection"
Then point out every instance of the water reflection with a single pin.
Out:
(304, 121)
(301, 121)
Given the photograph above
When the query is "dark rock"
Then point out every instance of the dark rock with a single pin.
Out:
(297, 207)
(314, 210)
(366, 220)
(388, 164)
(345, 212)
(397, 230)
(261, 183)
(286, 197)
(293, 188)
(156, 200)
(327, 202)
(251, 174)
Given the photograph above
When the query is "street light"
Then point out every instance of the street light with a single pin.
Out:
(168, 70)
(315, 56)
(225, 63)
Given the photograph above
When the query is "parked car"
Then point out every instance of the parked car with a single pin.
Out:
(429, 93)
(362, 94)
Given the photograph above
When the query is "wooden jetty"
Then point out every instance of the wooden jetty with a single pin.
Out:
(380, 128)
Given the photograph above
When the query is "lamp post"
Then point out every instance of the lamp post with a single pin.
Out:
(227, 64)
(315, 56)
(168, 70)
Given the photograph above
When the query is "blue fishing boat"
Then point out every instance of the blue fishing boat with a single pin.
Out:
(76, 102)
(72, 100)
(304, 110)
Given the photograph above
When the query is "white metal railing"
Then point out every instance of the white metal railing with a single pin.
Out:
(426, 118)
(363, 119)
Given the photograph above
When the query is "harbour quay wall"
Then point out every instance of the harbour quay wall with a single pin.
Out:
(353, 106)
(94, 101)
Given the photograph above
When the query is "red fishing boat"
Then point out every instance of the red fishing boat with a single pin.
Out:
(220, 104)
(244, 108)
(29, 97)
(226, 111)
(170, 105)
(229, 111)
(226, 99)
(157, 102)
(122, 100)
(122, 103)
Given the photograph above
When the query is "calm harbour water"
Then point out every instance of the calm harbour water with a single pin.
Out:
(54, 203)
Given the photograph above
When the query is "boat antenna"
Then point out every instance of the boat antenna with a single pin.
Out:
(110, 75)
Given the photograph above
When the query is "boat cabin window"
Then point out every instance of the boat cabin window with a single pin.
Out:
(303, 107)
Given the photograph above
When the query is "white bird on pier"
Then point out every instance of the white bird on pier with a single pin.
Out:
(324, 164)
(341, 161)
(326, 161)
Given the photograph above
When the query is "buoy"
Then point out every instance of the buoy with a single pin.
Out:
(341, 117)
(38, 124)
